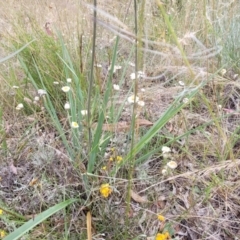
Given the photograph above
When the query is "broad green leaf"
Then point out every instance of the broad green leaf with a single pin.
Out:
(38, 219)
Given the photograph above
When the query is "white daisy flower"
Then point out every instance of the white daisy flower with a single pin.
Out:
(65, 89)
(15, 87)
(172, 164)
(140, 74)
(69, 80)
(67, 106)
(164, 171)
(181, 83)
(84, 112)
(116, 87)
(74, 125)
(166, 149)
(115, 68)
(131, 99)
(42, 92)
(55, 83)
(36, 98)
(19, 106)
(223, 71)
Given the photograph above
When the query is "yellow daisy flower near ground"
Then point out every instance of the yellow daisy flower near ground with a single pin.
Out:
(162, 236)
(2, 234)
(161, 218)
(105, 190)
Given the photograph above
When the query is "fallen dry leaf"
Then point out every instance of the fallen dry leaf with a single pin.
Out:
(138, 198)
(33, 182)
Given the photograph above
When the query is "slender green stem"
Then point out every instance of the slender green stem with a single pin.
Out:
(174, 36)
(91, 74)
(133, 123)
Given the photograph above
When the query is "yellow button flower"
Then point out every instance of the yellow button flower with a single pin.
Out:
(161, 218)
(119, 159)
(2, 234)
(105, 190)
(162, 236)
(104, 168)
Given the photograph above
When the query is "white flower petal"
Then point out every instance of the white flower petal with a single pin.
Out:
(19, 106)
(84, 112)
(131, 64)
(74, 125)
(181, 83)
(223, 71)
(116, 87)
(67, 106)
(132, 76)
(166, 149)
(140, 74)
(164, 171)
(42, 92)
(36, 98)
(131, 99)
(65, 89)
(141, 103)
(172, 164)
(69, 80)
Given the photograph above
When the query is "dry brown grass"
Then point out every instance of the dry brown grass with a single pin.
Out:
(200, 199)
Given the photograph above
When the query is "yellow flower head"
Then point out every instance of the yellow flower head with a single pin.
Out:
(162, 236)
(2, 234)
(161, 218)
(105, 190)
(104, 168)
(1, 211)
(119, 159)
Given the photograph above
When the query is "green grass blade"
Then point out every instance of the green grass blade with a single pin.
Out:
(98, 132)
(15, 53)
(170, 113)
(40, 218)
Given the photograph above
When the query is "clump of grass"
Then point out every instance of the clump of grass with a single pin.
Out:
(174, 169)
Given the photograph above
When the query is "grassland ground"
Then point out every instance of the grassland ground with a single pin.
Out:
(173, 172)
